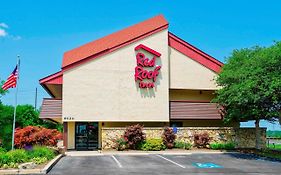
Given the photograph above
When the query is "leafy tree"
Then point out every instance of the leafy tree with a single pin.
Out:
(251, 85)
(26, 116)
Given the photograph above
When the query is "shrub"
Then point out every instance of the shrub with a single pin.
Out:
(33, 135)
(152, 145)
(17, 156)
(2, 150)
(226, 146)
(134, 135)
(39, 160)
(41, 151)
(37, 155)
(201, 140)
(168, 137)
(4, 159)
(120, 144)
(182, 145)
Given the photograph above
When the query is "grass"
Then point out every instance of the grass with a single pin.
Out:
(274, 146)
(270, 154)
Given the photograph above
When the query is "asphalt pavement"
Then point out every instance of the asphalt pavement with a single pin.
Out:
(163, 164)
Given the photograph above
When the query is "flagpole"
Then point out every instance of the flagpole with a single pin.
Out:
(16, 101)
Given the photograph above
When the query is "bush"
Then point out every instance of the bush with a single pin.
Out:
(41, 151)
(226, 146)
(182, 145)
(39, 160)
(201, 140)
(2, 150)
(37, 155)
(33, 135)
(120, 144)
(152, 145)
(134, 135)
(4, 159)
(168, 137)
(17, 156)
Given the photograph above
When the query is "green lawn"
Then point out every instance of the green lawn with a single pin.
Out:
(276, 146)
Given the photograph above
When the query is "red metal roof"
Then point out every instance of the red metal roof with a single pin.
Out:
(194, 53)
(115, 40)
(55, 78)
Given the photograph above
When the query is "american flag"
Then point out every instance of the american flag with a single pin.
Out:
(11, 80)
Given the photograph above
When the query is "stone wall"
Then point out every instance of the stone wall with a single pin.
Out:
(242, 137)
(246, 137)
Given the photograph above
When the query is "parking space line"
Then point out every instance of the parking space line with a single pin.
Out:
(171, 161)
(118, 163)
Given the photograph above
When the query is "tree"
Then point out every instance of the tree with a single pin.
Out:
(250, 84)
(26, 116)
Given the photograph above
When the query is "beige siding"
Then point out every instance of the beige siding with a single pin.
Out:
(186, 73)
(191, 95)
(71, 135)
(104, 89)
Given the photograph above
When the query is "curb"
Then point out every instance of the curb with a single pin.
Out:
(144, 153)
(45, 170)
(51, 164)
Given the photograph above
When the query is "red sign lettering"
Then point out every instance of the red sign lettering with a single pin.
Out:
(141, 73)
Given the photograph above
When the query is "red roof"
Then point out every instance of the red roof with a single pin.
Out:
(114, 41)
(55, 78)
(194, 53)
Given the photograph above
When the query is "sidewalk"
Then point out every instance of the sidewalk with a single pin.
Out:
(138, 152)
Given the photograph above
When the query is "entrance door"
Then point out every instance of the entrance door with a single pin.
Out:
(86, 135)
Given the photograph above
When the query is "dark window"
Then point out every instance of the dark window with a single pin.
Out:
(175, 124)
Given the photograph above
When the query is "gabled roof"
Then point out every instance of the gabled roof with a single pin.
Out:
(194, 53)
(55, 78)
(114, 41)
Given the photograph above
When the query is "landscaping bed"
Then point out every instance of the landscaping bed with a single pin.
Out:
(274, 155)
(135, 139)
(33, 158)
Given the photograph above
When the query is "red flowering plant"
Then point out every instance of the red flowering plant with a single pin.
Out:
(169, 137)
(34, 135)
(134, 135)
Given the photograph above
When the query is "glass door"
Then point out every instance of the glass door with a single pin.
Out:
(93, 136)
(86, 135)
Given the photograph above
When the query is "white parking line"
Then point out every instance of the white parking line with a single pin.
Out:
(118, 163)
(171, 161)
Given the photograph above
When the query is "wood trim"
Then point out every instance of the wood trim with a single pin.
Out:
(65, 132)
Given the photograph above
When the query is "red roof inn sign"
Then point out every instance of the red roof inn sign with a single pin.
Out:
(146, 71)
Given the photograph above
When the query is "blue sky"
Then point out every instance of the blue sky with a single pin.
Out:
(40, 31)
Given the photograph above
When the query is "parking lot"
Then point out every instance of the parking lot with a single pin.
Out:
(158, 164)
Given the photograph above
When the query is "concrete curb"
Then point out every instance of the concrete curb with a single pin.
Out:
(88, 153)
(51, 164)
(45, 170)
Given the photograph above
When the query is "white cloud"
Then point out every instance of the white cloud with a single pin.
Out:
(4, 33)
(3, 25)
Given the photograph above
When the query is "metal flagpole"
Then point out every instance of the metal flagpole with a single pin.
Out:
(16, 101)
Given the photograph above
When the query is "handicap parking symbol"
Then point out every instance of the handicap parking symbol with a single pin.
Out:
(206, 165)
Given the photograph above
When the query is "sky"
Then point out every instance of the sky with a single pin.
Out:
(41, 31)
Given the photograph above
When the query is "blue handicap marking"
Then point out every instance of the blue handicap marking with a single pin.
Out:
(206, 165)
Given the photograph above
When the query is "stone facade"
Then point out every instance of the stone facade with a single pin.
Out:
(242, 137)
